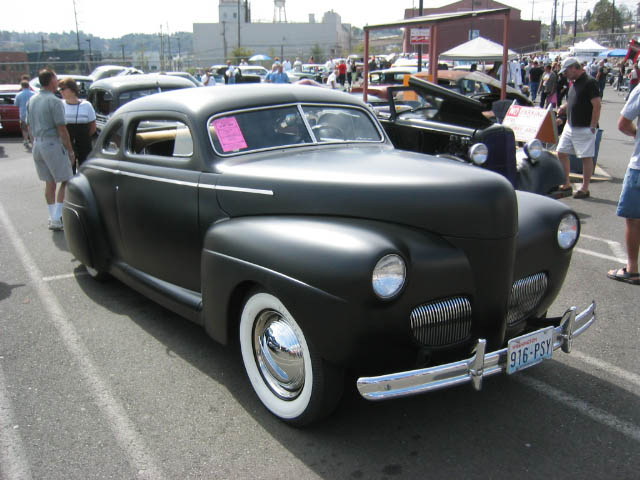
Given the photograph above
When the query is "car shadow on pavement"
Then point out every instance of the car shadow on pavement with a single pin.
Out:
(59, 240)
(510, 429)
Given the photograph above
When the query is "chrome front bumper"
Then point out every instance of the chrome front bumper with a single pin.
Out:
(473, 369)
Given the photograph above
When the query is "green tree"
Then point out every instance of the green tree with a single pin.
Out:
(318, 53)
(605, 16)
(241, 52)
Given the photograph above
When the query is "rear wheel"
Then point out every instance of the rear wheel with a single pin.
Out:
(286, 373)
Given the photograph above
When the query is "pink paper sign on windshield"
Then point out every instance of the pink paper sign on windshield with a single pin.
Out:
(229, 134)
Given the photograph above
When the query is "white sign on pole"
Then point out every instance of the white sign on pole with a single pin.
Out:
(420, 36)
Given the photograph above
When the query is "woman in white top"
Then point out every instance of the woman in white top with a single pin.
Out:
(80, 118)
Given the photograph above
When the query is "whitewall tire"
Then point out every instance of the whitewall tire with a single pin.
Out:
(290, 379)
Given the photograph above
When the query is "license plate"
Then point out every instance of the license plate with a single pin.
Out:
(530, 349)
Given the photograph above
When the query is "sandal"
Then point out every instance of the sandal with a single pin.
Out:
(581, 194)
(622, 275)
(562, 188)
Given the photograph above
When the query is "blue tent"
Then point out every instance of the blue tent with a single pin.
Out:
(618, 52)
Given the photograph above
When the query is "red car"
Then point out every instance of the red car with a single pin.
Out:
(9, 113)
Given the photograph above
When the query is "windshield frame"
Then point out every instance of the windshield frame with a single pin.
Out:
(300, 107)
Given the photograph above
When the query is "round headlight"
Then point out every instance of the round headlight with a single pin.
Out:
(533, 149)
(478, 153)
(568, 231)
(388, 276)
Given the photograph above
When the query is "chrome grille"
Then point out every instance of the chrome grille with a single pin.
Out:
(443, 322)
(525, 296)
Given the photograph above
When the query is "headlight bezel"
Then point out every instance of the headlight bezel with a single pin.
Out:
(569, 222)
(533, 149)
(476, 151)
(380, 286)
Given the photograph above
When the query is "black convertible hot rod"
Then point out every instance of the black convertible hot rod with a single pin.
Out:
(282, 216)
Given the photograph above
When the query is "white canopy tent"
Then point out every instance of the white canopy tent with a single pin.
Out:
(479, 49)
(588, 45)
(587, 49)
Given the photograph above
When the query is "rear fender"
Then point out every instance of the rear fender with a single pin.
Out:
(82, 225)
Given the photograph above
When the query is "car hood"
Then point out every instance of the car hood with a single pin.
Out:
(379, 183)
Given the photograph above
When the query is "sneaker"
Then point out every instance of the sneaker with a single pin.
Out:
(55, 225)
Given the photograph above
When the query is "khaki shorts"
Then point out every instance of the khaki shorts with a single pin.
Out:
(578, 141)
(51, 160)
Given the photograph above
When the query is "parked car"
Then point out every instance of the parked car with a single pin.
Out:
(186, 75)
(106, 71)
(83, 82)
(253, 71)
(477, 85)
(282, 216)
(111, 93)
(391, 76)
(9, 113)
(428, 118)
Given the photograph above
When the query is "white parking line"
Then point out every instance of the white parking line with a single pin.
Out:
(607, 367)
(616, 248)
(122, 427)
(621, 426)
(13, 465)
(600, 255)
(64, 276)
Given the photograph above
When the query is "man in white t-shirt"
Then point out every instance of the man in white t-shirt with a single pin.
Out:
(629, 203)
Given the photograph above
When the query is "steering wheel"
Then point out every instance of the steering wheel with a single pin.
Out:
(322, 131)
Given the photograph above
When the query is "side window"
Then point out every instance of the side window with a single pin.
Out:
(100, 99)
(113, 139)
(162, 137)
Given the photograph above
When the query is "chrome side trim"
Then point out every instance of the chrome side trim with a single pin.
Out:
(472, 369)
(182, 182)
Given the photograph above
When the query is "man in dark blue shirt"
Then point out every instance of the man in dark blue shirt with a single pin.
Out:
(579, 134)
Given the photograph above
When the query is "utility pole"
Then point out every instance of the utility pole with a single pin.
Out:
(553, 22)
(123, 60)
(238, 24)
(179, 54)
(161, 50)
(169, 56)
(420, 45)
(76, 17)
(613, 16)
(42, 42)
(575, 23)
(224, 39)
(561, 21)
(533, 4)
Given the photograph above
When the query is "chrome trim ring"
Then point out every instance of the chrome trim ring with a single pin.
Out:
(279, 355)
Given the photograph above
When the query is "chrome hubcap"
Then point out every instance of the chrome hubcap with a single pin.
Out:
(279, 354)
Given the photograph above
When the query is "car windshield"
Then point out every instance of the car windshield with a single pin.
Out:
(262, 129)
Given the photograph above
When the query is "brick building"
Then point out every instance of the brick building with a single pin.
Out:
(523, 34)
(12, 66)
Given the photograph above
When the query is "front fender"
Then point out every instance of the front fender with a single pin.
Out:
(321, 268)
(542, 177)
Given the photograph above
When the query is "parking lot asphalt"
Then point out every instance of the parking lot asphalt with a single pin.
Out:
(98, 382)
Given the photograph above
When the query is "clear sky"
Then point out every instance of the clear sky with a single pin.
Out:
(114, 18)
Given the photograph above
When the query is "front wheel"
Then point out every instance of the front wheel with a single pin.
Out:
(286, 373)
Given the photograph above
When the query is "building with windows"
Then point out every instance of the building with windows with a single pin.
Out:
(213, 43)
(524, 35)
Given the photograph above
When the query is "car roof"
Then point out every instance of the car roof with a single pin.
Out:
(131, 82)
(207, 101)
(10, 87)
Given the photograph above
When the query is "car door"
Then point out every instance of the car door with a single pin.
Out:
(157, 201)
